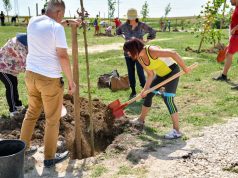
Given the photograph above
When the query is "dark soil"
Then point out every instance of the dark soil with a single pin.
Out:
(106, 128)
(214, 49)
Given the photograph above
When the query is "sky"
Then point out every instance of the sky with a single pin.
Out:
(94, 7)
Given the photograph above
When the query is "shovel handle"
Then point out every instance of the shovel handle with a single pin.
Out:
(193, 66)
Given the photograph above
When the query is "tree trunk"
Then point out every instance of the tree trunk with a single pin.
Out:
(223, 15)
(89, 84)
(201, 42)
(8, 17)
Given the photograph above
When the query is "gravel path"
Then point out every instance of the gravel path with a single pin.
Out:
(207, 156)
(214, 154)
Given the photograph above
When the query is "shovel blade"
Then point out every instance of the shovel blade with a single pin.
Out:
(118, 113)
(114, 105)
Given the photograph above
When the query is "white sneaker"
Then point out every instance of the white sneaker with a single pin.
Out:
(137, 121)
(173, 134)
(14, 114)
(20, 108)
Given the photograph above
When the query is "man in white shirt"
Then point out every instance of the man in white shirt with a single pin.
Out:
(46, 59)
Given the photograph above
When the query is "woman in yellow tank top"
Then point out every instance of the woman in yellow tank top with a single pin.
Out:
(159, 65)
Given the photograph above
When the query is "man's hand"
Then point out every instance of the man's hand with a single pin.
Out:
(69, 22)
(72, 87)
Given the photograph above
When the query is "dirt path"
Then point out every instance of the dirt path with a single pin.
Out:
(107, 47)
(212, 154)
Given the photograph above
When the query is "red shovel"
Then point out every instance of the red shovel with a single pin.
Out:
(117, 107)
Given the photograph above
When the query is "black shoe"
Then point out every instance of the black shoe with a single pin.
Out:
(132, 95)
(58, 158)
(221, 77)
(31, 150)
(235, 87)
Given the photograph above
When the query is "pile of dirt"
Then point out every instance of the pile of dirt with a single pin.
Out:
(106, 128)
(214, 49)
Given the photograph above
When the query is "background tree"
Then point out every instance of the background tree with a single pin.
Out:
(46, 4)
(111, 9)
(7, 6)
(145, 11)
(206, 25)
(167, 10)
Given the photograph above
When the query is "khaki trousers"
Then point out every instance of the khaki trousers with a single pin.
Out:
(47, 93)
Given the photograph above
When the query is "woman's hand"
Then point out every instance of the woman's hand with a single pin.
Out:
(143, 94)
(186, 69)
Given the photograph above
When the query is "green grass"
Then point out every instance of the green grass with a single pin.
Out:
(126, 170)
(200, 100)
(98, 171)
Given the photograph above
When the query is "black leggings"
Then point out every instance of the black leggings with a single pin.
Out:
(170, 90)
(12, 96)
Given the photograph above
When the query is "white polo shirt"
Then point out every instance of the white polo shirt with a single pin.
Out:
(44, 35)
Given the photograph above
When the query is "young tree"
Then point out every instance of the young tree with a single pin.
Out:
(145, 11)
(167, 10)
(111, 9)
(7, 6)
(210, 14)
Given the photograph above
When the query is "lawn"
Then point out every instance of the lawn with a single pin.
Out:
(201, 101)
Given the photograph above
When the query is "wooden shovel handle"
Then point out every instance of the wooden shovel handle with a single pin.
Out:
(161, 84)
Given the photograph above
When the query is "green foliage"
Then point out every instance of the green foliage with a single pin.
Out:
(145, 11)
(7, 5)
(167, 10)
(207, 17)
(46, 4)
(111, 8)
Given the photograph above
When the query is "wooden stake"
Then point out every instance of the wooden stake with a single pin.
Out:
(88, 79)
(78, 132)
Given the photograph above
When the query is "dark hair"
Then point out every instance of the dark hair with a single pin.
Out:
(134, 46)
(42, 11)
(128, 21)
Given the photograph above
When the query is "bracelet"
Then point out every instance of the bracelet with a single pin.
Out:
(67, 22)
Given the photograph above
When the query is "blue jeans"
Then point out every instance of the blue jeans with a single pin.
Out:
(131, 73)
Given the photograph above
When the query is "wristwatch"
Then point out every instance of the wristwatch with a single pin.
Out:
(67, 22)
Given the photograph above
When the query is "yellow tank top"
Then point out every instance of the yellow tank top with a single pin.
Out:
(159, 65)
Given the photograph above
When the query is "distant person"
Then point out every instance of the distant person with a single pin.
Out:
(26, 19)
(12, 62)
(161, 25)
(169, 25)
(2, 17)
(232, 46)
(14, 19)
(46, 60)
(165, 26)
(117, 22)
(42, 11)
(96, 25)
(108, 31)
(133, 28)
(159, 65)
